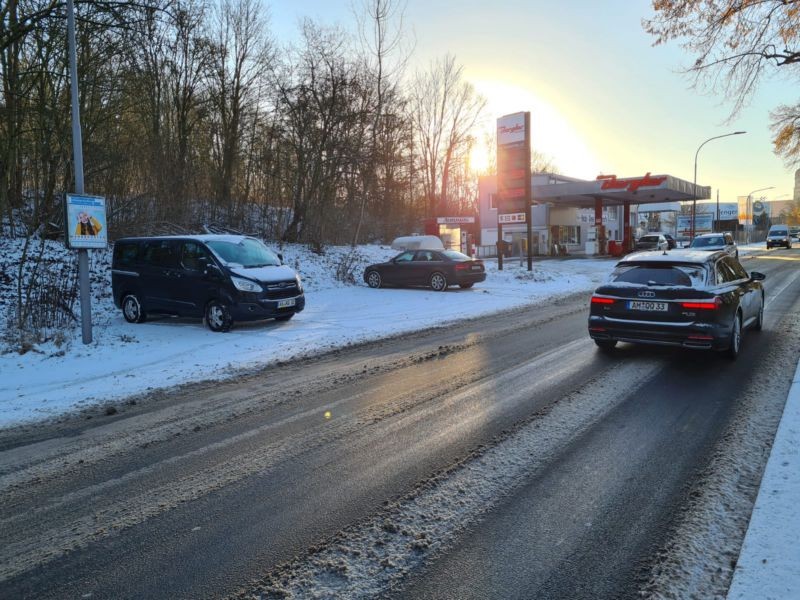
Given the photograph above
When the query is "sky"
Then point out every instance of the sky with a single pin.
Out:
(602, 99)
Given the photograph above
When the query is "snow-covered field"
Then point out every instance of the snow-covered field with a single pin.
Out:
(126, 359)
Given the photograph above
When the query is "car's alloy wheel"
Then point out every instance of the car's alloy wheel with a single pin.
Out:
(760, 320)
(736, 337)
(218, 317)
(374, 279)
(132, 309)
(438, 282)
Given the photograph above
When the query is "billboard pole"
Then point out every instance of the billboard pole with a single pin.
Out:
(529, 191)
(77, 152)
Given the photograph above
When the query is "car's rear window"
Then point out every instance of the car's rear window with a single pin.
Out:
(702, 242)
(457, 256)
(649, 238)
(661, 275)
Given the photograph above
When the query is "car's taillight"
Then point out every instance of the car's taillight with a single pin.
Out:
(601, 300)
(462, 266)
(703, 304)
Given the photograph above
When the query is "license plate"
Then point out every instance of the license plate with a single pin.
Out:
(286, 303)
(476, 267)
(649, 306)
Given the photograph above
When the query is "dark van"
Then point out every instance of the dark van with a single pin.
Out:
(220, 278)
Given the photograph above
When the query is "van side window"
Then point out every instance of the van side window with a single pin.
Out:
(125, 255)
(191, 253)
(161, 254)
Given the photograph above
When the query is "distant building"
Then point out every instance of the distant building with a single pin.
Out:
(797, 185)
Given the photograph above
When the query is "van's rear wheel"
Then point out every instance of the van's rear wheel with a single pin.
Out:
(218, 316)
(132, 309)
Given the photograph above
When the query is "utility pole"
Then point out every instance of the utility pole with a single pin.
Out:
(77, 153)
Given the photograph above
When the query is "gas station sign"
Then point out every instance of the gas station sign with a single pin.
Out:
(513, 197)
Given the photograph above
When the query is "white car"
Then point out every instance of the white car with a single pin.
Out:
(716, 241)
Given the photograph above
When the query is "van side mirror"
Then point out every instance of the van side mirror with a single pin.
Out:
(756, 276)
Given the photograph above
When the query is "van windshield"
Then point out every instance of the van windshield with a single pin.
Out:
(248, 252)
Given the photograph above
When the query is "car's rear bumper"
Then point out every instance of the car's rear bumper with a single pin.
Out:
(469, 277)
(707, 336)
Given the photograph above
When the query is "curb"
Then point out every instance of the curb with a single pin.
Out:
(769, 561)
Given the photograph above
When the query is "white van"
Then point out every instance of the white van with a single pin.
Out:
(778, 235)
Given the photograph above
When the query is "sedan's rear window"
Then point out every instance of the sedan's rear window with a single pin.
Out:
(661, 275)
(649, 238)
(457, 256)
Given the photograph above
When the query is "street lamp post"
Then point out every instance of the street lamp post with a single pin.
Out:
(749, 210)
(694, 183)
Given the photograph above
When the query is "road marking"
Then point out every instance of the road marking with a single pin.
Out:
(780, 290)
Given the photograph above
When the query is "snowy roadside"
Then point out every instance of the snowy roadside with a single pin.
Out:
(126, 359)
(769, 559)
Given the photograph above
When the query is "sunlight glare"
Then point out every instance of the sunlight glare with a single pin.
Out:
(552, 133)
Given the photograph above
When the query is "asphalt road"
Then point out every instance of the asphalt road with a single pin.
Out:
(203, 491)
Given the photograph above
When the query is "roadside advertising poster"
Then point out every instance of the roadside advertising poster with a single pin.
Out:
(85, 220)
(702, 224)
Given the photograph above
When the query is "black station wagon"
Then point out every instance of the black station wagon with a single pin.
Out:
(691, 299)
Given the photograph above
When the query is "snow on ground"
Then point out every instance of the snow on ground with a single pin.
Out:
(126, 359)
(769, 563)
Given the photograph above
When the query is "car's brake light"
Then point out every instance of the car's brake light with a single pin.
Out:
(601, 300)
(463, 266)
(703, 304)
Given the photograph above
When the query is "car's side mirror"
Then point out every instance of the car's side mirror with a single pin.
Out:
(756, 276)
(280, 256)
(210, 269)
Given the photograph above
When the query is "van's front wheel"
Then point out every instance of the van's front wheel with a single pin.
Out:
(132, 309)
(218, 317)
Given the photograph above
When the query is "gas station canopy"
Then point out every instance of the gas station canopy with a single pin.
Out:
(611, 191)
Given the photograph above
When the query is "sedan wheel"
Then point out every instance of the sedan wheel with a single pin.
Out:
(218, 317)
(374, 279)
(132, 309)
(438, 282)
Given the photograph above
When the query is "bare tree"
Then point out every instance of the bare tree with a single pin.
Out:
(445, 109)
(734, 45)
(242, 55)
(381, 32)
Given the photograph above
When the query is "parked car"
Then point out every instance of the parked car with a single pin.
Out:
(794, 233)
(687, 298)
(221, 278)
(712, 242)
(438, 269)
(652, 241)
(778, 235)
(673, 243)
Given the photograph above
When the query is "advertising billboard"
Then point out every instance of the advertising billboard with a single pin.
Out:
(702, 224)
(85, 221)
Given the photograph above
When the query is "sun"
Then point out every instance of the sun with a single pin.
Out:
(478, 160)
